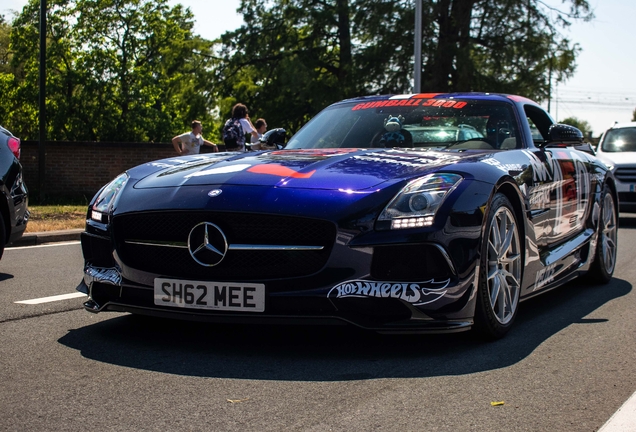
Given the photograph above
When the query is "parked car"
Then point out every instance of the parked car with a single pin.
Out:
(352, 224)
(617, 148)
(14, 213)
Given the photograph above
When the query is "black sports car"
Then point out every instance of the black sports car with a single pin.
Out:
(358, 220)
(14, 212)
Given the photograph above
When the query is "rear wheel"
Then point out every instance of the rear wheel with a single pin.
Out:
(604, 263)
(499, 272)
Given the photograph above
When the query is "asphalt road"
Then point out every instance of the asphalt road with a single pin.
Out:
(568, 365)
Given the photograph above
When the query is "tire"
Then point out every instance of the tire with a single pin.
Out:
(501, 265)
(604, 262)
(3, 235)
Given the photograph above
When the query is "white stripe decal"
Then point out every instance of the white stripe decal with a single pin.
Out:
(52, 298)
(402, 96)
(624, 419)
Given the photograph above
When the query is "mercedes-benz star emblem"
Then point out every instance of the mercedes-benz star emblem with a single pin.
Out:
(207, 244)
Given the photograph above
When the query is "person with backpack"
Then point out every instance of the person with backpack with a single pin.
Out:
(190, 143)
(236, 127)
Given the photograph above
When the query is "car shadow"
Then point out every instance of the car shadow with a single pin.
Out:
(311, 353)
(627, 220)
(5, 276)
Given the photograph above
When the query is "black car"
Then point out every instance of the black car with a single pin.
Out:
(361, 219)
(14, 212)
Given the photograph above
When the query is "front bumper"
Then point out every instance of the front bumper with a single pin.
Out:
(407, 281)
(380, 306)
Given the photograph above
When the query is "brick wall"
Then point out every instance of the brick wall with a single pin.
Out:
(81, 168)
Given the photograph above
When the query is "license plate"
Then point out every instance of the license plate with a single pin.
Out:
(223, 296)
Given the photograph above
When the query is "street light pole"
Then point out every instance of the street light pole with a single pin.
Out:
(417, 79)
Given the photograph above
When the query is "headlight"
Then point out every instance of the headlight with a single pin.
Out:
(416, 204)
(106, 199)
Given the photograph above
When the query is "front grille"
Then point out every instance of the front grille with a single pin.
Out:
(239, 228)
(626, 174)
(97, 250)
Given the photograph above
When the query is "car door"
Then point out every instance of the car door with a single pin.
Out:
(570, 195)
(561, 186)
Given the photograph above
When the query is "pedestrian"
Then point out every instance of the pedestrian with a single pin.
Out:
(190, 143)
(237, 127)
(261, 128)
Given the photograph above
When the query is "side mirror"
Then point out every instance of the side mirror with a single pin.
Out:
(274, 138)
(566, 134)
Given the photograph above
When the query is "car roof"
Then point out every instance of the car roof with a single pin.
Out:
(623, 125)
(455, 95)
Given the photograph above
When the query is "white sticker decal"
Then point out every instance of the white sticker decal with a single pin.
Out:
(220, 170)
(540, 171)
(505, 167)
(544, 276)
(416, 293)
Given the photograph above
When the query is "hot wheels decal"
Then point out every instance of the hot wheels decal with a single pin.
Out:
(417, 294)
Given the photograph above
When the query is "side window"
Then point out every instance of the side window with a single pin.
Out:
(536, 134)
(539, 122)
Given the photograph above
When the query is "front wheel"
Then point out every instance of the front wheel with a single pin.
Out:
(500, 271)
(604, 263)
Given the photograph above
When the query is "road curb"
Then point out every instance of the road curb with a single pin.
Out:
(38, 238)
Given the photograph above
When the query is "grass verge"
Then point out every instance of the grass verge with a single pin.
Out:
(56, 217)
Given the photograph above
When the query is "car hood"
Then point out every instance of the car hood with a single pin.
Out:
(618, 158)
(330, 169)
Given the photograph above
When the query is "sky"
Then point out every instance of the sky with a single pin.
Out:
(601, 92)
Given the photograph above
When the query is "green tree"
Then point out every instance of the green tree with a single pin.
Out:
(5, 53)
(293, 57)
(123, 70)
(6, 74)
(509, 46)
(582, 125)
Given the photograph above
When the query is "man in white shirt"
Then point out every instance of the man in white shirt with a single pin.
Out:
(190, 143)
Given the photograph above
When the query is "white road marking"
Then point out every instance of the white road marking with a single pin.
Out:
(43, 245)
(52, 298)
(623, 420)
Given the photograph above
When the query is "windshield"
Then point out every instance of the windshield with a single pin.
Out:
(454, 124)
(620, 140)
